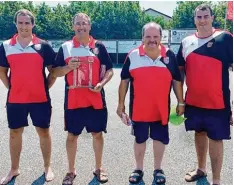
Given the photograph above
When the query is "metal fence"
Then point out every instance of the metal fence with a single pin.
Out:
(118, 49)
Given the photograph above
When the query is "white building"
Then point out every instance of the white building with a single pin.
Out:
(156, 13)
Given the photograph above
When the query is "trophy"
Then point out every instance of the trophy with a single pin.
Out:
(82, 75)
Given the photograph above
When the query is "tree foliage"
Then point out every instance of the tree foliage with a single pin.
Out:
(110, 19)
(183, 16)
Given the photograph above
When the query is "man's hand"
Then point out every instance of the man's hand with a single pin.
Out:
(180, 109)
(73, 63)
(120, 110)
(97, 88)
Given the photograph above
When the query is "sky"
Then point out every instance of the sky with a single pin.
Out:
(165, 7)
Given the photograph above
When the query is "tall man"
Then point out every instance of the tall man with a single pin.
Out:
(205, 58)
(28, 89)
(84, 107)
(151, 69)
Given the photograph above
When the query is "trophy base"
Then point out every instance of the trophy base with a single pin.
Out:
(80, 86)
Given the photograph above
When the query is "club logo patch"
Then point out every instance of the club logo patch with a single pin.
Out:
(209, 44)
(166, 60)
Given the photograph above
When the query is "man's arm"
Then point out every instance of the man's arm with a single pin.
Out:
(108, 75)
(61, 71)
(3, 76)
(182, 74)
(178, 90)
(50, 78)
(60, 68)
(4, 66)
(177, 84)
(107, 62)
(123, 89)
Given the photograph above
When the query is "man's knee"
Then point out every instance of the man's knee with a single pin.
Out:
(72, 138)
(214, 141)
(43, 132)
(16, 132)
(97, 136)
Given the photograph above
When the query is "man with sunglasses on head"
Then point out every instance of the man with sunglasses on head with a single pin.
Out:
(205, 59)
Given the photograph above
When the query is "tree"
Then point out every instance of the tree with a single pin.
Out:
(43, 17)
(219, 13)
(110, 19)
(60, 24)
(8, 9)
(183, 16)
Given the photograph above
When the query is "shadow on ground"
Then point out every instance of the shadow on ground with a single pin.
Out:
(40, 181)
(202, 181)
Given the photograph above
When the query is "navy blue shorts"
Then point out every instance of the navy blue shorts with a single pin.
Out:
(17, 114)
(155, 130)
(94, 120)
(216, 123)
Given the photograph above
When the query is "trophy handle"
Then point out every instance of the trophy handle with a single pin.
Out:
(75, 77)
(90, 74)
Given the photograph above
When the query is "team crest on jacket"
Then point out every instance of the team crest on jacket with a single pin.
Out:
(96, 51)
(209, 44)
(166, 60)
(37, 46)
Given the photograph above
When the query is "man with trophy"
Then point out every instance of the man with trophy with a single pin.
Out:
(87, 67)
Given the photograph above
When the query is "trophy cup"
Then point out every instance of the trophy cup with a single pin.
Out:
(82, 75)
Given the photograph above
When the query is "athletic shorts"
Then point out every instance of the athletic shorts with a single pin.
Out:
(215, 122)
(155, 130)
(17, 114)
(94, 120)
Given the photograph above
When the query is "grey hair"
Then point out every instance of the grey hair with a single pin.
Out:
(151, 24)
(82, 15)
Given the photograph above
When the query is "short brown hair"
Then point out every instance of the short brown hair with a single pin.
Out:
(203, 7)
(24, 12)
(82, 15)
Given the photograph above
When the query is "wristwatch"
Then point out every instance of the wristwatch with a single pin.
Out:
(181, 104)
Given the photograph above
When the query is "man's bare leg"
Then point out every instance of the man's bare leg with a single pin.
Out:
(45, 144)
(159, 149)
(201, 143)
(139, 150)
(71, 145)
(15, 142)
(98, 144)
(216, 157)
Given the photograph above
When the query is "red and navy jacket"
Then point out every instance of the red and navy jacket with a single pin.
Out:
(206, 62)
(28, 82)
(150, 84)
(84, 97)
